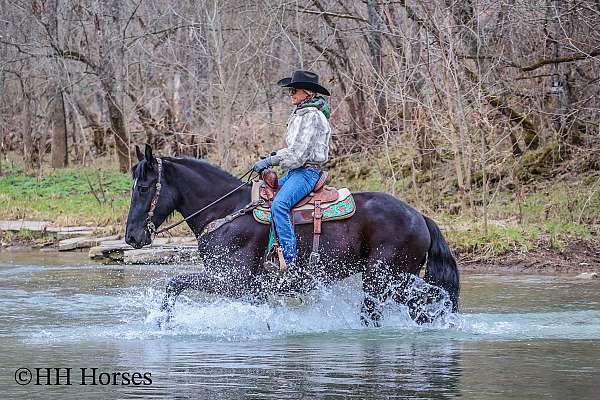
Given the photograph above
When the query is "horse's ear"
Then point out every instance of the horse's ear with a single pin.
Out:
(138, 153)
(149, 157)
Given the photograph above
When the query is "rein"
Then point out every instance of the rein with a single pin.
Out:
(151, 228)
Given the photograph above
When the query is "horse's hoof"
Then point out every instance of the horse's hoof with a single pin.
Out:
(369, 321)
(164, 321)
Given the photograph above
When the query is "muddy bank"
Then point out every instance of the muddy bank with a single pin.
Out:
(10, 241)
(577, 255)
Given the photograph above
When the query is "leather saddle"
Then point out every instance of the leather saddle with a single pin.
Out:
(320, 193)
(323, 203)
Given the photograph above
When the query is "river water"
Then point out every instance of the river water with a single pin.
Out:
(517, 337)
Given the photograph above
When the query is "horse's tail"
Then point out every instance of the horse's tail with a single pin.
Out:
(441, 266)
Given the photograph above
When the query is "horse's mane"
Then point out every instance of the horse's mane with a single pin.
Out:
(202, 167)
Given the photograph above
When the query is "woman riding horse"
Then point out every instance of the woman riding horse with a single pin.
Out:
(307, 140)
(386, 241)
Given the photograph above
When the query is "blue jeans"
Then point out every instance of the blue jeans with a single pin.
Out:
(293, 187)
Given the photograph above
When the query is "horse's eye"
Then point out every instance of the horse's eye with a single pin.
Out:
(142, 189)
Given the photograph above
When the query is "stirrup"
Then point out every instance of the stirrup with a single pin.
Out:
(274, 261)
(271, 266)
(282, 264)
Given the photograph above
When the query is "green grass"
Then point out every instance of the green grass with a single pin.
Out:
(498, 240)
(66, 196)
(26, 236)
(547, 215)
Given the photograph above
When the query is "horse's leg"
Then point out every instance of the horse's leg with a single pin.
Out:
(228, 277)
(402, 294)
(198, 281)
(370, 312)
(382, 277)
(374, 285)
(417, 295)
(176, 285)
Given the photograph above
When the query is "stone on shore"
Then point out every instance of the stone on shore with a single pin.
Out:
(35, 226)
(160, 255)
(588, 275)
(83, 242)
(65, 232)
(162, 250)
(45, 227)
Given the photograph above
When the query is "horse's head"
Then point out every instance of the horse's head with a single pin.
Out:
(152, 199)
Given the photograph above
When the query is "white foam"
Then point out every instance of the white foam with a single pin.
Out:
(332, 310)
(327, 309)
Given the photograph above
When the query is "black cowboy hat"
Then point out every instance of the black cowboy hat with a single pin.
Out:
(304, 80)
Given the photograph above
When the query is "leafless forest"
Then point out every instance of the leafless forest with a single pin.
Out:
(475, 84)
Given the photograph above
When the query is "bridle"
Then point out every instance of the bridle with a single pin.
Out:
(149, 225)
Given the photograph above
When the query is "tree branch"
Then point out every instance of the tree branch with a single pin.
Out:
(569, 58)
(66, 54)
(76, 56)
(329, 14)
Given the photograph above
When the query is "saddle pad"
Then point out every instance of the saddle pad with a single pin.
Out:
(332, 211)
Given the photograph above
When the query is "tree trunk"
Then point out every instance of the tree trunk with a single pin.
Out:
(3, 56)
(79, 147)
(111, 76)
(119, 130)
(59, 155)
(374, 40)
(28, 150)
(98, 131)
(456, 118)
(560, 86)
(59, 150)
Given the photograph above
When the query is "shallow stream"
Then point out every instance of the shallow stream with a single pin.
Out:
(517, 336)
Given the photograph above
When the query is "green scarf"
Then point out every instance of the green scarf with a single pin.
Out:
(318, 102)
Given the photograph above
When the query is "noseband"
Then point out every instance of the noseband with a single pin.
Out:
(150, 227)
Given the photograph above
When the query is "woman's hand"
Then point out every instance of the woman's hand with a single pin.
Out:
(263, 164)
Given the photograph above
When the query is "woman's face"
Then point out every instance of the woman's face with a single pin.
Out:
(297, 96)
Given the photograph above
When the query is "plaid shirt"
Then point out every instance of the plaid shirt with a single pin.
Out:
(307, 139)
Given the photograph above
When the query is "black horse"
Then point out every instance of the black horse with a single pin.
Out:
(386, 240)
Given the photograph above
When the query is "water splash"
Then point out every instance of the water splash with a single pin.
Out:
(326, 309)
(334, 309)
(132, 313)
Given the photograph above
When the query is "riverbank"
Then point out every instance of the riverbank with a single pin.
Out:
(575, 255)
(550, 225)
(578, 256)
(97, 195)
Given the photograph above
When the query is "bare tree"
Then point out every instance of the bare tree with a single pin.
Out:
(60, 155)
(412, 80)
